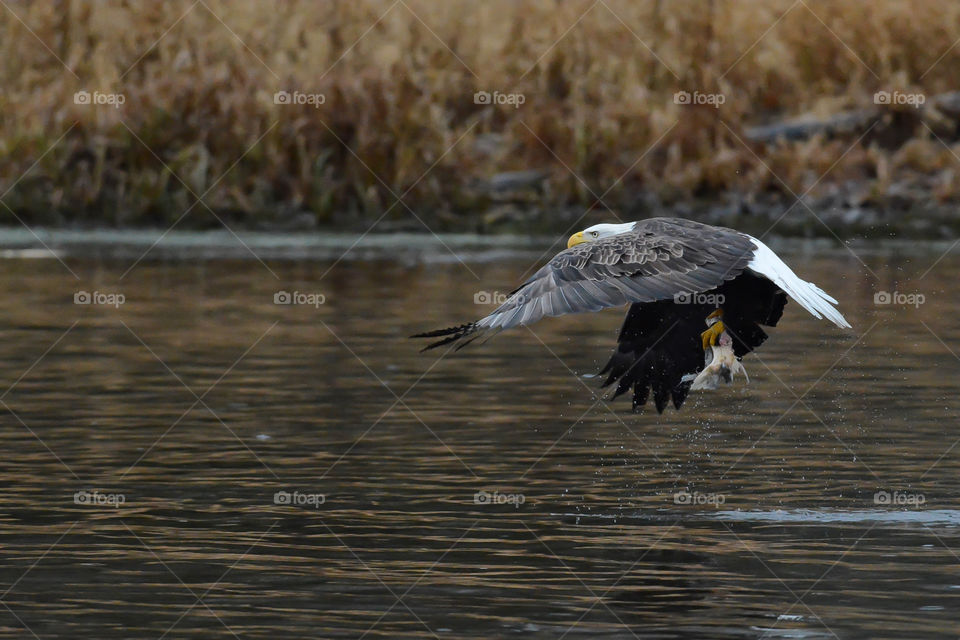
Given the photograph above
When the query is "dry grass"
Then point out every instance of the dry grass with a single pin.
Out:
(399, 112)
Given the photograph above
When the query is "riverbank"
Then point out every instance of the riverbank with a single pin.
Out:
(492, 117)
(134, 246)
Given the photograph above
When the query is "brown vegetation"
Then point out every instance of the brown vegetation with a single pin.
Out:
(598, 81)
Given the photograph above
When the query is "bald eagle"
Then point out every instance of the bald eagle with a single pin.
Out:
(694, 291)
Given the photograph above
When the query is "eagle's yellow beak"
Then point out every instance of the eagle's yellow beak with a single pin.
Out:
(576, 239)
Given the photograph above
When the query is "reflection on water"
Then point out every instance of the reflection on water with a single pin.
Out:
(204, 462)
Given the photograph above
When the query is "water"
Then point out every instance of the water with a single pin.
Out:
(182, 412)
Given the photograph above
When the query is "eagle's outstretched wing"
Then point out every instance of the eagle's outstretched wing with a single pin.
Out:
(659, 259)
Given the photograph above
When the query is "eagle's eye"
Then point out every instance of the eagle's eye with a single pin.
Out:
(595, 233)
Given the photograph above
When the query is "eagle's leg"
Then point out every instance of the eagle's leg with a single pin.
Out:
(709, 337)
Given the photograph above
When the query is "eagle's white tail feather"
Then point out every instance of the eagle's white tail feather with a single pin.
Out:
(823, 294)
(810, 296)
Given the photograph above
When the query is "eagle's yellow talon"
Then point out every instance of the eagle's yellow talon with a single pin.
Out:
(716, 313)
(710, 336)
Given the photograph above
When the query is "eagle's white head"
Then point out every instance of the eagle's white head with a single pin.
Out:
(598, 232)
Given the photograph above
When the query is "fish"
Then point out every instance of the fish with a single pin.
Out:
(720, 365)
